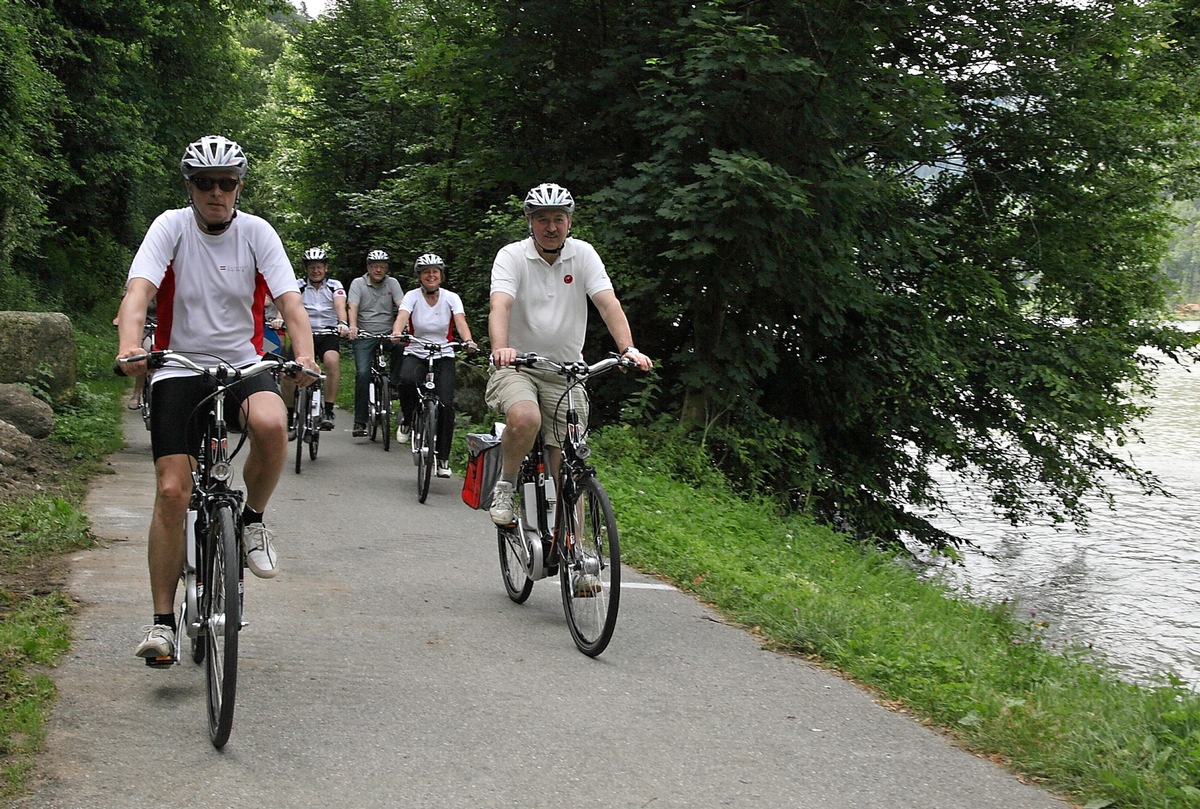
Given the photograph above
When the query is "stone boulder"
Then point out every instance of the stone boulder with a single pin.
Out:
(14, 441)
(29, 340)
(26, 412)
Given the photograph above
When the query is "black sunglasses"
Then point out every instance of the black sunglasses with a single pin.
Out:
(206, 183)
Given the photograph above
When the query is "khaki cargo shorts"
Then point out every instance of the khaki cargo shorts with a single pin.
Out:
(507, 386)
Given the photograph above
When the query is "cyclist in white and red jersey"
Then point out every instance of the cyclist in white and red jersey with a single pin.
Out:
(211, 269)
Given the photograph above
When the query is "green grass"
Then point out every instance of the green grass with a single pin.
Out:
(35, 625)
(1061, 717)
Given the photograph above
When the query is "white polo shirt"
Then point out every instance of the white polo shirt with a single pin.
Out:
(549, 311)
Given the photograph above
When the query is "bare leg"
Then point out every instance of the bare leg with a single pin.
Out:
(167, 550)
(522, 422)
(267, 422)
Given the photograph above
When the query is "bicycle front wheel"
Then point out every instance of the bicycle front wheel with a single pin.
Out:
(426, 447)
(314, 441)
(373, 408)
(590, 569)
(222, 608)
(385, 417)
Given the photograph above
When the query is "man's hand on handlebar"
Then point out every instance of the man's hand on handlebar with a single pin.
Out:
(312, 372)
(138, 368)
(503, 357)
(641, 360)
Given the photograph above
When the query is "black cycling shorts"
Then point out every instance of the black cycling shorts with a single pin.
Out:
(321, 344)
(180, 406)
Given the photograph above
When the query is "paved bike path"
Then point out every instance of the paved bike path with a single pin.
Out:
(385, 667)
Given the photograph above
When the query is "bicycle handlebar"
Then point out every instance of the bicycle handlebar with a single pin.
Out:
(269, 362)
(574, 370)
(431, 345)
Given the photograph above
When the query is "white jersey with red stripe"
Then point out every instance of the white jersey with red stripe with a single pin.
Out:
(212, 287)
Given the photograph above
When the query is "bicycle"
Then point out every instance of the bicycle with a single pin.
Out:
(379, 391)
(211, 610)
(427, 414)
(581, 543)
(310, 410)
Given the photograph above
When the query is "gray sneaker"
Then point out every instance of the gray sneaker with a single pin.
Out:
(501, 511)
(157, 646)
(260, 551)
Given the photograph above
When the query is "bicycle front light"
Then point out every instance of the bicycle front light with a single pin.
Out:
(222, 471)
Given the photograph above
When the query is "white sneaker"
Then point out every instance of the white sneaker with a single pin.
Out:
(443, 469)
(501, 511)
(402, 434)
(158, 645)
(260, 551)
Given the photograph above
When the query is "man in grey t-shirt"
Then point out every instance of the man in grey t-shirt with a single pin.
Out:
(374, 306)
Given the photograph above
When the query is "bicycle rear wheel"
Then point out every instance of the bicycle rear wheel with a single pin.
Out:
(426, 446)
(590, 569)
(222, 607)
(515, 554)
(301, 417)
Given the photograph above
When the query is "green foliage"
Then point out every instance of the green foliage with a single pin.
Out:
(89, 424)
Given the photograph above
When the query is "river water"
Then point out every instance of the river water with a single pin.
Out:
(1130, 586)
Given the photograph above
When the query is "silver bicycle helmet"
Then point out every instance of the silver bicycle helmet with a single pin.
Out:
(428, 260)
(377, 255)
(315, 254)
(549, 195)
(212, 152)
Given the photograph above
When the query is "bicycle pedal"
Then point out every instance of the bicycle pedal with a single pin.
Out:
(160, 662)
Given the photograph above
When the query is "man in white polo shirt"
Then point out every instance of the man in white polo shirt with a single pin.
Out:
(211, 269)
(540, 289)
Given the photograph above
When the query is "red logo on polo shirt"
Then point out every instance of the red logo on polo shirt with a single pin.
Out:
(567, 279)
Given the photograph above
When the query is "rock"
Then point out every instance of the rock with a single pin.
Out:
(26, 412)
(30, 341)
(13, 440)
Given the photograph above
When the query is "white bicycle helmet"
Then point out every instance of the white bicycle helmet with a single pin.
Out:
(428, 260)
(549, 195)
(212, 152)
(315, 254)
(377, 255)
